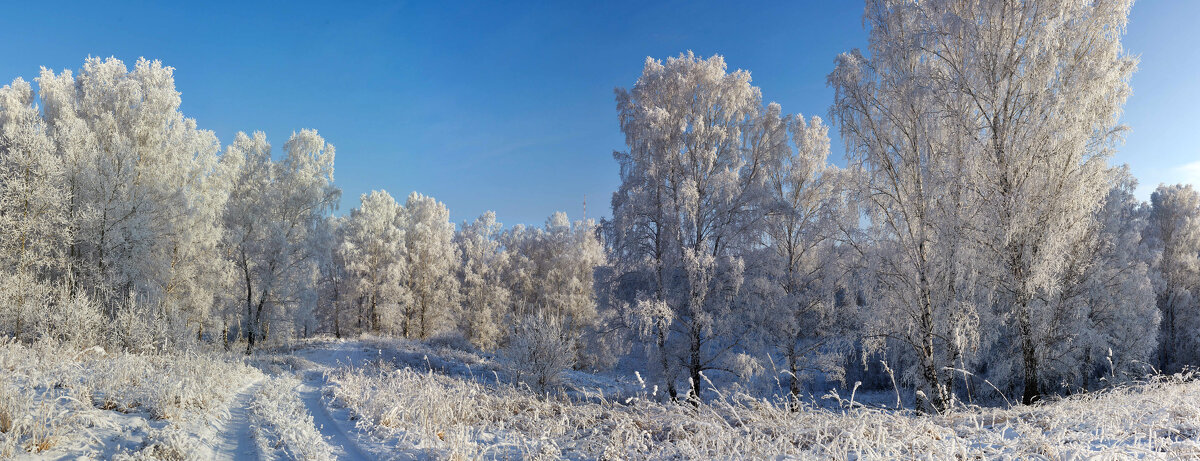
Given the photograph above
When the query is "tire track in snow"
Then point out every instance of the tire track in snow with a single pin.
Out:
(345, 446)
(236, 438)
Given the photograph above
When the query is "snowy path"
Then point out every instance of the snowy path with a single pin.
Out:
(236, 439)
(345, 445)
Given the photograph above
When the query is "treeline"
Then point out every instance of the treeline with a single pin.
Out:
(404, 270)
(976, 237)
(124, 224)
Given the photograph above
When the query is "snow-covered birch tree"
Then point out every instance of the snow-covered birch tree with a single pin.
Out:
(372, 250)
(33, 200)
(1026, 95)
(431, 262)
(335, 285)
(272, 211)
(551, 274)
(34, 228)
(485, 295)
(1039, 85)
(913, 192)
(797, 280)
(1103, 322)
(553, 314)
(144, 196)
(687, 202)
(1174, 234)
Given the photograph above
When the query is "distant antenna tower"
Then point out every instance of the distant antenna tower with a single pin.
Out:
(585, 207)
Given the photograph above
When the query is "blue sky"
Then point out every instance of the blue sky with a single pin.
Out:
(496, 106)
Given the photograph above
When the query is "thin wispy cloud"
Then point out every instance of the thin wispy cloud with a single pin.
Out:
(1188, 173)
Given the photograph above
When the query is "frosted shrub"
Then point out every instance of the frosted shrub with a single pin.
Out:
(145, 328)
(451, 340)
(22, 301)
(132, 330)
(540, 351)
(73, 319)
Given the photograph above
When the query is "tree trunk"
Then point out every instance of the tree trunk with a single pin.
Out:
(1029, 356)
(793, 368)
(694, 367)
(337, 324)
(374, 315)
(1086, 372)
(424, 328)
(662, 356)
(929, 370)
(249, 328)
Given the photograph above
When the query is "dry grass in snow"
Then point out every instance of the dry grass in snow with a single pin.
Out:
(463, 419)
(55, 398)
(283, 428)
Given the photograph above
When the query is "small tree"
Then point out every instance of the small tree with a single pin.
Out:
(796, 282)
(540, 351)
(551, 273)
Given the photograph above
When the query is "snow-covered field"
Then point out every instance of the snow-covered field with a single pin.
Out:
(389, 399)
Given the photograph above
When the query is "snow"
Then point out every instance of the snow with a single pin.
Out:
(332, 427)
(378, 398)
(237, 440)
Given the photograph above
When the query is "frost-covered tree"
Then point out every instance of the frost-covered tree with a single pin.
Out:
(372, 249)
(34, 228)
(1105, 322)
(540, 350)
(111, 194)
(1122, 316)
(431, 261)
(1174, 234)
(270, 218)
(551, 272)
(916, 203)
(795, 283)
(1039, 86)
(555, 265)
(690, 187)
(1026, 93)
(144, 195)
(485, 294)
(576, 252)
(33, 200)
(335, 286)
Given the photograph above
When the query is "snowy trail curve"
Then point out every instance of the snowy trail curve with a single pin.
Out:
(345, 446)
(236, 439)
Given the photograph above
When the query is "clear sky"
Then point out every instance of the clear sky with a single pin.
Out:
(506, 107)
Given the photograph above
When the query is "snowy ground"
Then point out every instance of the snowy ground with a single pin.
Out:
(387, 399)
